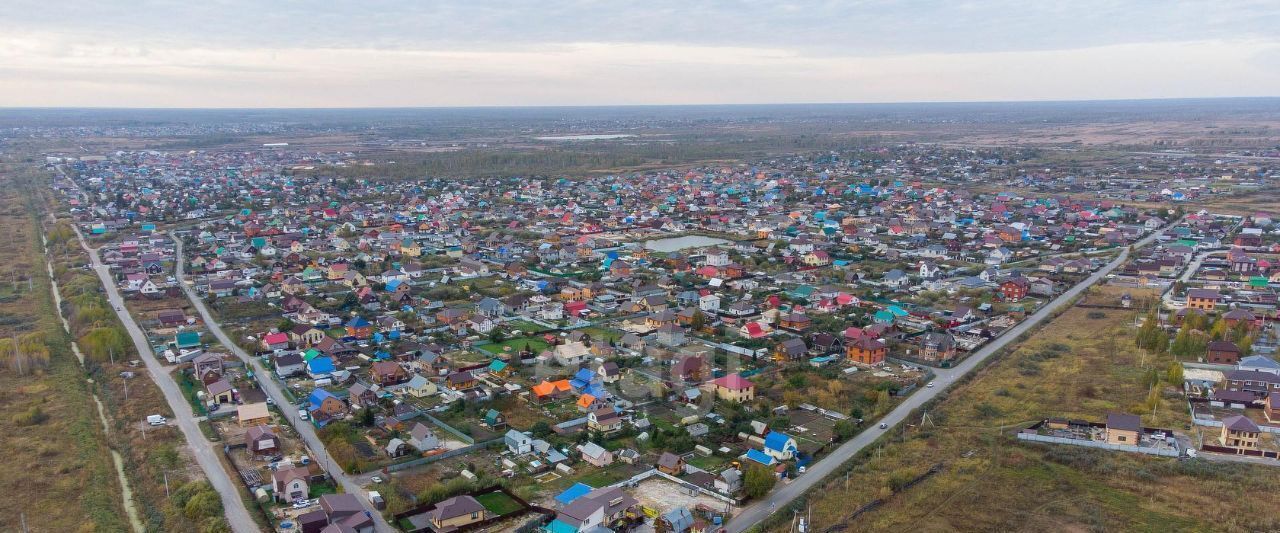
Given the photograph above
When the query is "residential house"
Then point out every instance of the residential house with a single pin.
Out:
(422, 438)
(291, 484)
(734, 388)
(670, 463)
(1222, 352)
(1203, 299)
(517, 442)
(261, 441)
(780, 446)
(457, 512)
(1123, 428)
(866, 351)
(595, 454)
(1239, 432)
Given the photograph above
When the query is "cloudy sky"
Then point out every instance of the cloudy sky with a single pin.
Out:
(228, 53)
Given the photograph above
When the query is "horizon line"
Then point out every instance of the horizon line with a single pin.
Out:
(587, 106)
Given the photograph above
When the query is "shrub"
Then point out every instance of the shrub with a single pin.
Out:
(30, 417)
(1096, 315)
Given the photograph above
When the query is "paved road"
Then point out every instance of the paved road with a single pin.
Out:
(272, 388)
(205, 452)
(784, 494)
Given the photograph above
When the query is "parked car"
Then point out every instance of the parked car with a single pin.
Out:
(303, 414)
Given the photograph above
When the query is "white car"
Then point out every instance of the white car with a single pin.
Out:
(376, 479)
(303, 414)
(930, 384)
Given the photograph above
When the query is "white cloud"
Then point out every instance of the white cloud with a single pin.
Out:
(56, 69)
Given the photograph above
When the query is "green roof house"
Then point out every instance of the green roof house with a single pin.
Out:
(187, 339)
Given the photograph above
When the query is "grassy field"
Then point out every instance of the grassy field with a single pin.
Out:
(536, 344)
(1075, 367)
(57, 469)
(498, 503)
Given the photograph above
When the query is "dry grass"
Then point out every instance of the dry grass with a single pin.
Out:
(992, 482)
(57, 470)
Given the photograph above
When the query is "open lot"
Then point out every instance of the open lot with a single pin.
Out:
(1025, 486)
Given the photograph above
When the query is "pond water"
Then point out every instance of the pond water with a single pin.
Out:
(585, 137)
(673, 244)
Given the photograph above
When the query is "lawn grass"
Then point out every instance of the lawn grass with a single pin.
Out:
(1028, 487)
(498, 503)
(601, 477)
(536, 344)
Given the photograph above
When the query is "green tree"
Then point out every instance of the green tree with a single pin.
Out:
(757, 481)
(202, 505)
(1246, 345)
(1174, 375)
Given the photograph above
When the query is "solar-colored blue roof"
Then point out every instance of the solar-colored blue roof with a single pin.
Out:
(572, 493)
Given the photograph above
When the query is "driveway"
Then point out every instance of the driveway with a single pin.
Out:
(785, 493)
(264, 376)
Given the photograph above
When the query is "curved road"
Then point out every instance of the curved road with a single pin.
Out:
(205, 452)
(263, 374)
(815, 473)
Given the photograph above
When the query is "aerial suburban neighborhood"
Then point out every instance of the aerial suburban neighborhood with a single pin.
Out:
(639, 267)
(664, 348)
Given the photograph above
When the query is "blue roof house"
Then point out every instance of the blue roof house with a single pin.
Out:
(320, 367)
(780, 446)
(572, 493)
(760, 457)
(582, 379)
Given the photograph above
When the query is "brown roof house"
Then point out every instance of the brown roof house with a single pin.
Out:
(457, 512)
(1123, 428)
(670, 463)
(261, 441)
(291, 484)
(1240, 432)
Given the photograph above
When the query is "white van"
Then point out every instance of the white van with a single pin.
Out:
(156, 420)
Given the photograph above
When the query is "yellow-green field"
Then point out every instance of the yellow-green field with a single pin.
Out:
(1078, 367)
